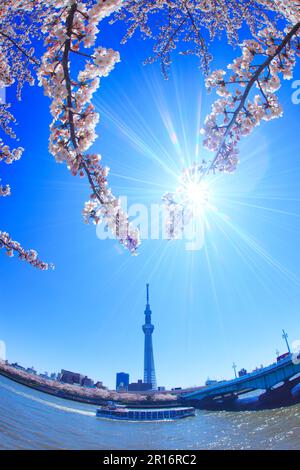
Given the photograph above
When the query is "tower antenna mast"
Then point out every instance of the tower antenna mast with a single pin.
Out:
(149, 368)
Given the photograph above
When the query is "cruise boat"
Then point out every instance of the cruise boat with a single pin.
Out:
(121, 412)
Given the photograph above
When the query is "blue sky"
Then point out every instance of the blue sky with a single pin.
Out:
(226, 302)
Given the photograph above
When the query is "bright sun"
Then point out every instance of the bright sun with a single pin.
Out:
(196, 194)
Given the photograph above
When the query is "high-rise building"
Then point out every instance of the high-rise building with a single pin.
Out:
(149, 369)
(122, 381)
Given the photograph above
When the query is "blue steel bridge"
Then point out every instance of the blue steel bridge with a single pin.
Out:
(276, 383)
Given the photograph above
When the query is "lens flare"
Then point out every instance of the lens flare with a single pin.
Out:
(196, 194)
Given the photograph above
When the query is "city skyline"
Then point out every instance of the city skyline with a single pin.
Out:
(121, 375)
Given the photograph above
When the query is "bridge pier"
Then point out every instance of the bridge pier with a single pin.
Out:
(280, 396)
(225, 402)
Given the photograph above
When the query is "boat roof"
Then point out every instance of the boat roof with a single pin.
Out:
(177, 408)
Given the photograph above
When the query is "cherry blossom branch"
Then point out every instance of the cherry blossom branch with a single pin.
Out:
(188, 19)
(243, 98)
(73, 127)
(164, 54)
(12, 247)
(31, 256)
(21, 49)
(205, 57)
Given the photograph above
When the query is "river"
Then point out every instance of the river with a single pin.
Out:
(33, 420)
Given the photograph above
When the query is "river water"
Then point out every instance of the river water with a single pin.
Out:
(33, 420)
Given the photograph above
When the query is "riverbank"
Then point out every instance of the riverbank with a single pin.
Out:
(93, 396)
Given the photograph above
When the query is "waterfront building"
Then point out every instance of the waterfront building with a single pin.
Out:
(45, 375)
(100, 385)
(161, 389)
(149, 369)
(71, 378)
(122, 381)
(87, 382)
(139, 386)
(74, 378)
